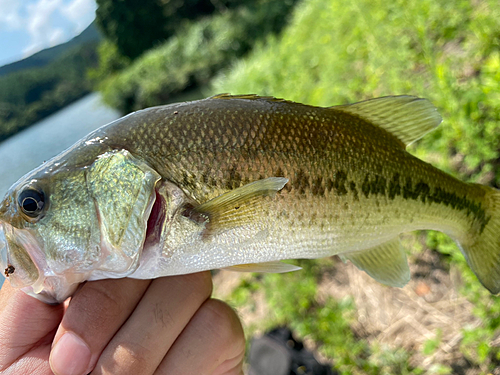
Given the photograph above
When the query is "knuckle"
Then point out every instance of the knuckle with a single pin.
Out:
(101, 296)
(94, 307)
(128, 358)
(224, 322)
(136, 356)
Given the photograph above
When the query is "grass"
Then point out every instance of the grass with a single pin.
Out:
(336, 52)
(339, 51)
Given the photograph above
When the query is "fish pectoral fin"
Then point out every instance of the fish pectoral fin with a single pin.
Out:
(386, 263)
(238, 207)
(407, 118)
(268, 267)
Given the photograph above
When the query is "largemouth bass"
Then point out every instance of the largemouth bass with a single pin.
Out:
(241, 182)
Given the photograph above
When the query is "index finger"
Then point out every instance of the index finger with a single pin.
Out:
(24, 323)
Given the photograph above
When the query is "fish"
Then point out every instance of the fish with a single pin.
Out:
(241, 182)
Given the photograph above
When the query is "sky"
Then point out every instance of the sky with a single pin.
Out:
(28, 26)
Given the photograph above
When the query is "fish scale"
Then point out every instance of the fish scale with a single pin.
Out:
(265, 138)
(242, 182)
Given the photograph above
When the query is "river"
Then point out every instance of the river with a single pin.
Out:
(26, 150)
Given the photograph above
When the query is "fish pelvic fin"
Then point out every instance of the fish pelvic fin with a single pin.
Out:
(238, 207)
(408, 118)
(386, 263)
(481, 245)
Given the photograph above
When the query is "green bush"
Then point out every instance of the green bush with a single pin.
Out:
(341, 51)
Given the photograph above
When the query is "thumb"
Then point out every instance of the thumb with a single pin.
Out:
(26, 326)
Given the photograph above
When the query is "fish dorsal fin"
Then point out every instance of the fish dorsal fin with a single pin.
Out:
(238, 207)
(227, 96)
(408, 118)
(386, 263)
(268, 267)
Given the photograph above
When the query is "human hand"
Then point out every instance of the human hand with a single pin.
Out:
(168, 325)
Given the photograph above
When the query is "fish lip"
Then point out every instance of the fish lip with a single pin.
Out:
(44, 296)
(6, 262)
(29, 243)
(4, 251)
(48, 287)
(54, 292)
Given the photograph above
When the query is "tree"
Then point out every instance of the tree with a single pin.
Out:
(137, 25)
(132, 25)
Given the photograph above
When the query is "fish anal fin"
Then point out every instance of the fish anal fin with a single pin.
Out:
(386, 263)
(267, 267)
(237, 207)
(407, 118)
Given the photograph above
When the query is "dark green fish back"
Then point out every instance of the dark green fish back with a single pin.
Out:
(222, 144)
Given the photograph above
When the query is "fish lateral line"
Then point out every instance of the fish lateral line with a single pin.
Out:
(408, 190)
(396, 186)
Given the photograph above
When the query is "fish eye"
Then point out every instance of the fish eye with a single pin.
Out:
(31, 202)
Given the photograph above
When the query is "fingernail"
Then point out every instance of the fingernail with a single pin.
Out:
(70, 355)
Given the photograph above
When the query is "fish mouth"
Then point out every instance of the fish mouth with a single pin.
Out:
(23, 263)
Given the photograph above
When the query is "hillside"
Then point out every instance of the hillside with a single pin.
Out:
(43, 57)
(56, 77)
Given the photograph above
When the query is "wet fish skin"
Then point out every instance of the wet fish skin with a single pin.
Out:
(228, 181)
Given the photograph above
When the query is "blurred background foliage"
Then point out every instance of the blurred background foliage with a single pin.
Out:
(321, 52)
(190, 57)
(135, 26)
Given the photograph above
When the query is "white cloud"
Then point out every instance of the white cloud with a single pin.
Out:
(39, 24)
(56, 37)
(47, 22)
(9, 14)
(80, 13)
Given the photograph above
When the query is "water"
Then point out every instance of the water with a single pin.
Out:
(26, 150)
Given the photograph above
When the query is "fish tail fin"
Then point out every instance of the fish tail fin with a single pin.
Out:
(481, 247)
